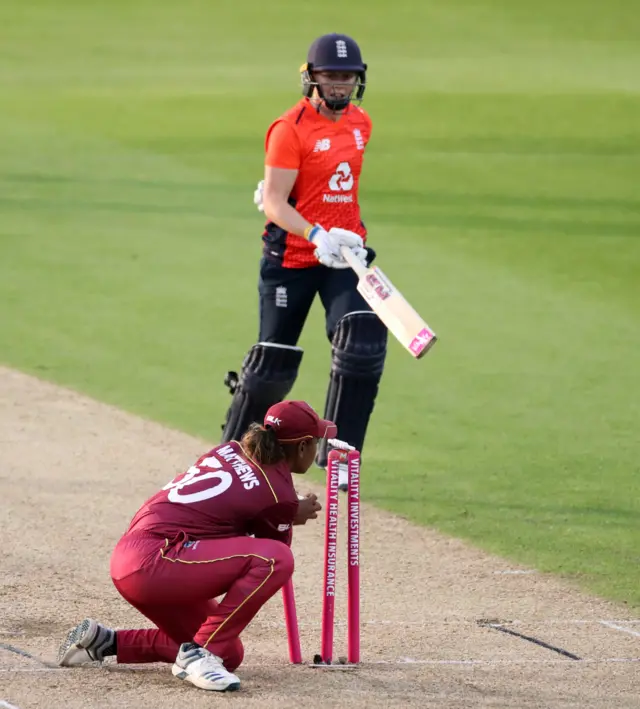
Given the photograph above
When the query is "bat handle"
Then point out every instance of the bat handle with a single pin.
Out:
(353, 261)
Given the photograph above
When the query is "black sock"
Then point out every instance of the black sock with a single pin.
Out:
(111, 648)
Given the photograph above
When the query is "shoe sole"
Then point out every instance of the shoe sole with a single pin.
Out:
(182, 674)
(73, 641)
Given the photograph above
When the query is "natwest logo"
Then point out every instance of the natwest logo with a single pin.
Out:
(337, 198)
(342, 179)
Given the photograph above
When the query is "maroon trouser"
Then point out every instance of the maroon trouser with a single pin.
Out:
(174, 585)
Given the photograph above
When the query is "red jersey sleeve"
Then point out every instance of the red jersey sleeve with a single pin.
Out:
(283, 147)
(275, 522)
(369, 126)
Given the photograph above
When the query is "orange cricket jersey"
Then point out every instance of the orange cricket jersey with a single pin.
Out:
(328, 156)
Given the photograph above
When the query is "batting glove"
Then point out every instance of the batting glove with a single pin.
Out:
(328, 245)
(357, 248)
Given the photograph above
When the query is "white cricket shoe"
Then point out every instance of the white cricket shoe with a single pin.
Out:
(343, 477)
(87, 642)
(203, 669)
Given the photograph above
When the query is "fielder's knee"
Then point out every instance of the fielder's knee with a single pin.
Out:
(233, 655)
(284, 561)
(280, 557)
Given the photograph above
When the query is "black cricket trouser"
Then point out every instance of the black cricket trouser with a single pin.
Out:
(286, 296)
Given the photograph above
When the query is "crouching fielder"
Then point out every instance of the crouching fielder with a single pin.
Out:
(222, 528)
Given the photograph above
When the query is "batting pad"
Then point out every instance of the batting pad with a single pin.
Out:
(358, 353)
(268, 374)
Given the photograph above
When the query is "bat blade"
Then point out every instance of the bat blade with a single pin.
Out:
(396, 313)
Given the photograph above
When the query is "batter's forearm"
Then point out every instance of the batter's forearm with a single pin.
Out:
(286, 217)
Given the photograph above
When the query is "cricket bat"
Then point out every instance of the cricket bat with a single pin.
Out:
(386, 301)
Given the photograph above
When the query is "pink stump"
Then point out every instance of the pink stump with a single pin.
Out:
(291, 620)
(330, 554)
(353, 555)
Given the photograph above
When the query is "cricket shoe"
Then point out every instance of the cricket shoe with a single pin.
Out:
(203, 669)
(343, 477)
(87, 642)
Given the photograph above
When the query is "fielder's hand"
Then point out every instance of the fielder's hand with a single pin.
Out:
(328, 245)
(258, 196)
(308, 508)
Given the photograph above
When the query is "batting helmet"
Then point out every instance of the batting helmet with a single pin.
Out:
(334, 52)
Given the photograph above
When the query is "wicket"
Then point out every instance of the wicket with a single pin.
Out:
(336, 458)
(352, 460)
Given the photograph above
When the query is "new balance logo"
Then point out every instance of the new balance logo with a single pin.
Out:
(322, 145)
(341, 48)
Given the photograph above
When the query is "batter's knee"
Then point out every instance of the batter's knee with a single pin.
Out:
(268, 374)
(358, 354)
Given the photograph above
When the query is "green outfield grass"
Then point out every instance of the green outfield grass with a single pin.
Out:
(501, 191)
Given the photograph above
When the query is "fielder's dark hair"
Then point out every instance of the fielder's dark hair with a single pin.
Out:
(263, 446)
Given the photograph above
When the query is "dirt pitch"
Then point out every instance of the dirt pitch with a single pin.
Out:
(73, 472)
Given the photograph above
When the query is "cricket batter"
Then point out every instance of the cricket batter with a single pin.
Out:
(314, 155)
(223, 528)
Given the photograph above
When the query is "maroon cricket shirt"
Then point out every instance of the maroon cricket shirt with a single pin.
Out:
(225, 494)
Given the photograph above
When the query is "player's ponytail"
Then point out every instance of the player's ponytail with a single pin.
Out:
(262, 445)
